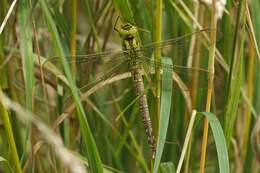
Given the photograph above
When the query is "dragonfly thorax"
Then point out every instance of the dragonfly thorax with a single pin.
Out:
(130, 44)
(129, 35)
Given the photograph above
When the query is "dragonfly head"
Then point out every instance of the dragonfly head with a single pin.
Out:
(129, 35)
(128, 31)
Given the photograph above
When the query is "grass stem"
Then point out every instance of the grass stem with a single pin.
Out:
(157, 54)
(73, 43)
(210, 85)
(250, 89)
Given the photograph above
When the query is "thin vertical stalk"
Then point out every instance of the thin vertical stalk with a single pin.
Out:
(226, 45)
(252, 32)
(91, 18)
(186, 141)
(10, 136)
(157, 54)
(7, 16)
(73, 43)
(69, 125)
(3, 71)
(194, 61)
(250, 89)
(210, 84)
(193, 39)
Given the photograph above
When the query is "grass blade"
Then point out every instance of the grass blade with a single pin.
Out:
(235, 75)
(220, 141)
(27, 63)
(26, 51)
(10, 136)
(165, 113)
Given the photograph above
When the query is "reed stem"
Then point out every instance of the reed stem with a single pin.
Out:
(210, 84)
(250, 89)
(73, 43)
(157, 54)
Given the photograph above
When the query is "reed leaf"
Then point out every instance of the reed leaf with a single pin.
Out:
(165, 112)
(220, 141)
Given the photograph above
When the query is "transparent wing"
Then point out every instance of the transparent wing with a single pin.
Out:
(103, 57)
(186, 42)
(94, 58)
(187, 75)
(94, 68)
(189, 54)
(92, 71)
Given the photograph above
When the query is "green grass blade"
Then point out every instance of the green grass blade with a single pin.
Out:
(27, 59)
(165, 113)
(3, 71)
(3, 76)
(235, 75)
(26, 51)
(88, 140)
(10, 137)
(220, 141)
(227, 29)
(255, 6)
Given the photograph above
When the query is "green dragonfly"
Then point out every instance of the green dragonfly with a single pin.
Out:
(139, 61)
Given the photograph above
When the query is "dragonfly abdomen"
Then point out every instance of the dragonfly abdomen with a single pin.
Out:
(143, 105)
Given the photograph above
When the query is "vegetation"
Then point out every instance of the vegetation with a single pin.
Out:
(67, 102)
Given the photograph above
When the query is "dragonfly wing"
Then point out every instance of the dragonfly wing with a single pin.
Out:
(109, 70)
(182, 75)
(90, 68)
(95, 57)
(191, 83)
(176, 45)
(101, 79)
(185, 53)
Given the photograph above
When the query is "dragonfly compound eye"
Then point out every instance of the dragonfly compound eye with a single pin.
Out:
(127, 26)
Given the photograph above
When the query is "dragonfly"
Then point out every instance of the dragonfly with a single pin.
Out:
(139, 61)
